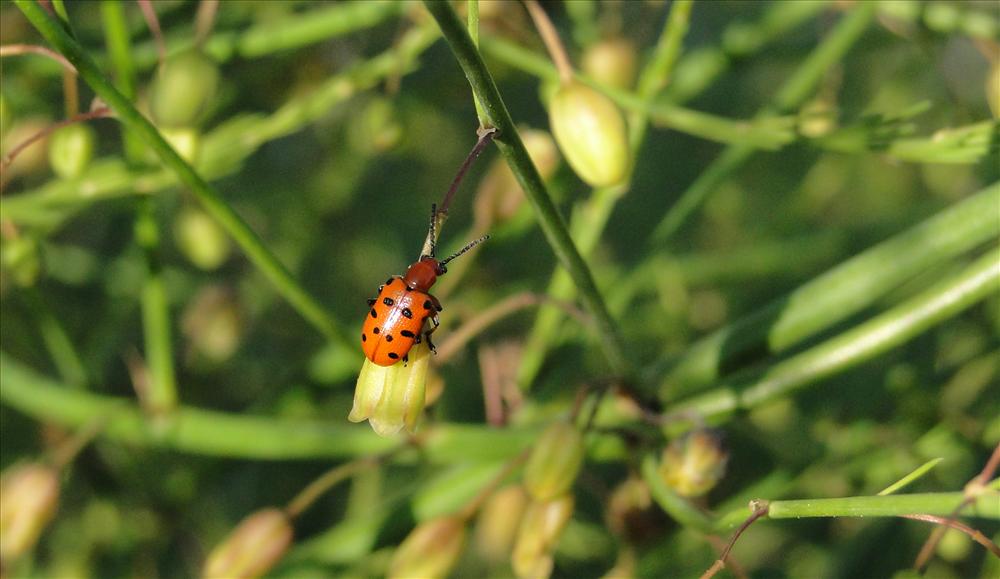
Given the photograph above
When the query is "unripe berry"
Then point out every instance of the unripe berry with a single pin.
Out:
(611, 62)
(591, 133)
(183, 88)
(201, 239)
(70, 149)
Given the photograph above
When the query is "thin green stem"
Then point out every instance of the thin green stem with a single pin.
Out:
(210, 433)
(160, 398)
(510, 145)
(472, 6)
(589, 219)
(794, 91)
(837, 294)
(64, 355)
(986, 506)
(116, 37)
(213, 203)
(853, 347)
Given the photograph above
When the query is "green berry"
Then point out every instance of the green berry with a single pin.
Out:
(70, 150)
(183, 88)
(590, 131)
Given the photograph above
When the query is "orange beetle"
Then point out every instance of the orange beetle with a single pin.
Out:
(396, 319)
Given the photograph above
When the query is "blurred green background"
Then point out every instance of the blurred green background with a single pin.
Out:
(341, 195)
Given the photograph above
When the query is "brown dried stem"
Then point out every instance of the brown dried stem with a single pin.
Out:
(19, 49)
(947, 523)
(760, 509)
(551, 39)
(154, 27)
(97, 113)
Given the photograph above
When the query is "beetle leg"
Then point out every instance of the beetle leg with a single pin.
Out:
(437, 304)
(427, 334)
(371, 302)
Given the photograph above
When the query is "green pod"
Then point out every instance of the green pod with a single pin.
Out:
(613, 62)
(554, 462)
(590, 131)
(183, 88)
(201, 239)
(71, 149)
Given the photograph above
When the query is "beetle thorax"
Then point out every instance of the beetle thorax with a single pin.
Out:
(422, 274)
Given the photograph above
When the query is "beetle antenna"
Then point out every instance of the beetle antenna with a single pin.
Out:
(466, 248)
(433, 232)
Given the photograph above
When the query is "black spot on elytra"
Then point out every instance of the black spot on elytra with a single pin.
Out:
(406, 313)
(376, 330)
(388, 337)
(388, 281)
(427, 304)
(364, 338)
(388, 301)
(407, 334)
(373, 314)
(394, 355)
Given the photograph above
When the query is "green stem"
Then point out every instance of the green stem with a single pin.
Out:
(473, 8)
(510, 145)
(986, 506)
(65, 357)
(795, 90)
(589, 219)
(839, 293)
(853, 347)
(213, 203)
(160, 398)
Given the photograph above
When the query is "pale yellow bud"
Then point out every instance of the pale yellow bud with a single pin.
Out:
(201, 239)
(554, 462)
(498, 522)
(591, 133)
(430, 550)
(392, 397)
(693, 464)
(29, 497)
(253, 548)
(541, 527)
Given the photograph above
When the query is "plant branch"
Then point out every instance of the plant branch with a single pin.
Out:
(510, 145)
(213, 203)
(551, 39)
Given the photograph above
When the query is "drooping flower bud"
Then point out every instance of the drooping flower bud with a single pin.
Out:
(693, 464)
(498, 522)
(591, 133)
(541, 527)
(252, 548)
(70, 149)
(554, 462)
(183, 88)
(430, 550)
(201, 239)
(612, 62)
(392, 397)
(29, 497)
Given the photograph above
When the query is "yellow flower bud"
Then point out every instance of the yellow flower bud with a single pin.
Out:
(29, 497)
(554, 462)
(590, 131)
(541, 527)
(693, 464)
(201, 239)
(70, 149)
(498, 522)
(183, 88)
(430, 550)
(392, 397)
(252, 548)
(612, 62)
(185, 140)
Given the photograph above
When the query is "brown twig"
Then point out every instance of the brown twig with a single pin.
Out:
(974, 534)
(972, 491)
(551, 39)
(204, 20)
(485, 138)
(97, 113)
(497, 312)
(154, 27)
(19, 49)
(760, 509)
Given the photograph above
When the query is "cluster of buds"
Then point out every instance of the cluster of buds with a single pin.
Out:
(29, 497)
(392, 397)
(694, 463)
(253, 548)
(430, 550)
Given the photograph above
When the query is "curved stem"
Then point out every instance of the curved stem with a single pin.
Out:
(328, 480)
(18, 49)
(212, 201)
(510, 144)
(97, 113)
(551, 39)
